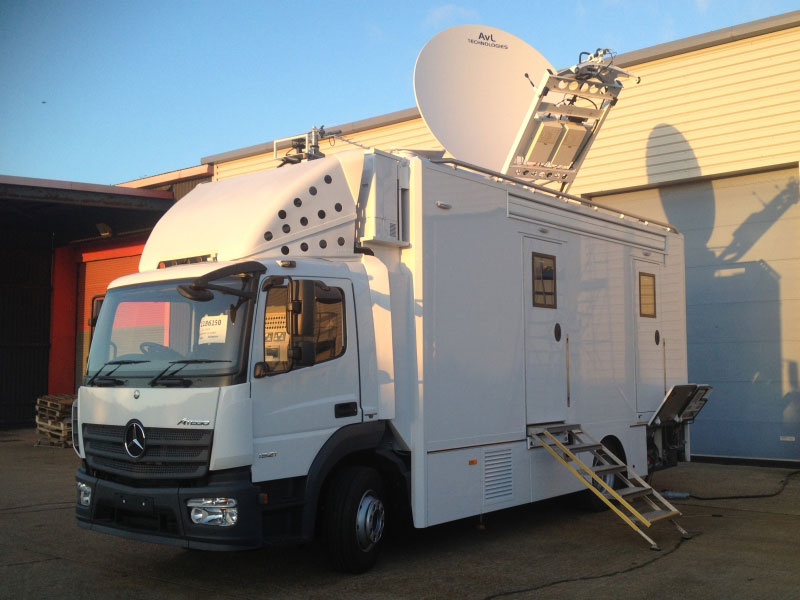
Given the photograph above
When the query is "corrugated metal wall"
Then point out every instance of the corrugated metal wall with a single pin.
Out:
(719, 110)
(743, 302)
(25, 328)
(407, 134)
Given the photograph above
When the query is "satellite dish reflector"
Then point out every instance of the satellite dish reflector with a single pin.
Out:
(471, 88)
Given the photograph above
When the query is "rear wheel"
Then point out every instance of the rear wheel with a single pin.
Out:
(591, 500)
(355, 519)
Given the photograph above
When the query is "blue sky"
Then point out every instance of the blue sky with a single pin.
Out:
(109, 91)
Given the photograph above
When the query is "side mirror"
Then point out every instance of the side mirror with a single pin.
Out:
(305, 353)
(302, 309)
(97, 302)
(260, 370)
(190, 292)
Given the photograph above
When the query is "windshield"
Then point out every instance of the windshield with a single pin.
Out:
(152, 335)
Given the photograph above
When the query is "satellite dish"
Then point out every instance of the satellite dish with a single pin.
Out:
(471, 88)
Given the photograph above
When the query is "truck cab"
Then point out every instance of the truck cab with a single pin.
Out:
(229, 404)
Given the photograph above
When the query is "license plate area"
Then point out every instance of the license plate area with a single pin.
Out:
(134, 503)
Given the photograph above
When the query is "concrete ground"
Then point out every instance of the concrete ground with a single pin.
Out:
(742, 548)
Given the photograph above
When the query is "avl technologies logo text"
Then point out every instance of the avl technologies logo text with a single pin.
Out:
(487, 40)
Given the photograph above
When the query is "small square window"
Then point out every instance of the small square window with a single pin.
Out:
(647, 295)
(544, 280)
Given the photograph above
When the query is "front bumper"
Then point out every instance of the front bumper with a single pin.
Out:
(160, 514)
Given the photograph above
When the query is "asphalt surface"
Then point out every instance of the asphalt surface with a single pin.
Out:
(741, 548)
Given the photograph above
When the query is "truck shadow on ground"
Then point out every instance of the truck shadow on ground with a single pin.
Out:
(458, 558)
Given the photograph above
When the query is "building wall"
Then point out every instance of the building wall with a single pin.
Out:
(719, 110)
(743, 298)
(709, 135)
(25, 306)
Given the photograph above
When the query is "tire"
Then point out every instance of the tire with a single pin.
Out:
(355, 517)
(591, 501)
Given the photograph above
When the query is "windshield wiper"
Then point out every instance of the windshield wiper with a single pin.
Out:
(180, 381)
(105, 381)
(107, 377)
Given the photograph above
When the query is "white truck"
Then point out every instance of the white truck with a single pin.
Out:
(305, 350)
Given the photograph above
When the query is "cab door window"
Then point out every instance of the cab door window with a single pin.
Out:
(304, 325)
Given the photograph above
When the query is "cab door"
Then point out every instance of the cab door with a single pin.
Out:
(297, 407)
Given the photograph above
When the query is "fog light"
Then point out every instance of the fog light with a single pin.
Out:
(213, 511)
(84, 494)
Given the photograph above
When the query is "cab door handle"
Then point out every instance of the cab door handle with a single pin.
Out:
(345, 409)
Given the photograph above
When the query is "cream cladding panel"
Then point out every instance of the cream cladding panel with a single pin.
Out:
(723, 109)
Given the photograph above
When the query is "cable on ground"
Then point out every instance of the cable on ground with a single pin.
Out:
(777, 492)
(593, 577)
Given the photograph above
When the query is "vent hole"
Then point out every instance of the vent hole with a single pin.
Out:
(303, 221)
(284, 249)
(323, 244)
(268, 235)
(282, 214)
(286, 228)
(298, 203)
(304, 247)
(321, 214)
(341, 241)
(312, 190)
(338, 207)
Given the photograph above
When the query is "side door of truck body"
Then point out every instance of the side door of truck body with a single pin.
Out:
(295, 412)
(650, 342)
(546, 331)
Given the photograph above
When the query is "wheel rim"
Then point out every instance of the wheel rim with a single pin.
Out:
(370, 519)
(610, 479)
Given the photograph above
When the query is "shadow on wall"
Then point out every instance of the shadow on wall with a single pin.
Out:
(733, 308)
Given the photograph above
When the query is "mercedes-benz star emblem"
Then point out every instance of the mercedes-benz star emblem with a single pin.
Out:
(134, 439)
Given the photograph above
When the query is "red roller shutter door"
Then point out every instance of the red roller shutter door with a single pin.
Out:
(93, 279)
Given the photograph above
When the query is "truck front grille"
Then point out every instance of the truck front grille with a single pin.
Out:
(169, 453)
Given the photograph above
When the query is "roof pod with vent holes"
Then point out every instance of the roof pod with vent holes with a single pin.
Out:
(307, 209)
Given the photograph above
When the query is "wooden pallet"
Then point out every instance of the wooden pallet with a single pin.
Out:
(58, 402)
(54, 419)
(47, 441)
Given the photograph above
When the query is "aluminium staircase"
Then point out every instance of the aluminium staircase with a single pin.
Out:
(610, 479)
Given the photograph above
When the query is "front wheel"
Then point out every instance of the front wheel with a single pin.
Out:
(355, 519)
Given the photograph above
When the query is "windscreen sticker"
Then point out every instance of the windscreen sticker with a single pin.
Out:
(213, 329)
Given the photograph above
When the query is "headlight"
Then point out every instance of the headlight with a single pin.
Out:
(213, 511)
(84, 494)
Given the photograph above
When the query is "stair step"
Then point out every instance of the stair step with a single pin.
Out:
(575, 448)
(631, 492)
(606, 469)
(658, 515)
(563, 428)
